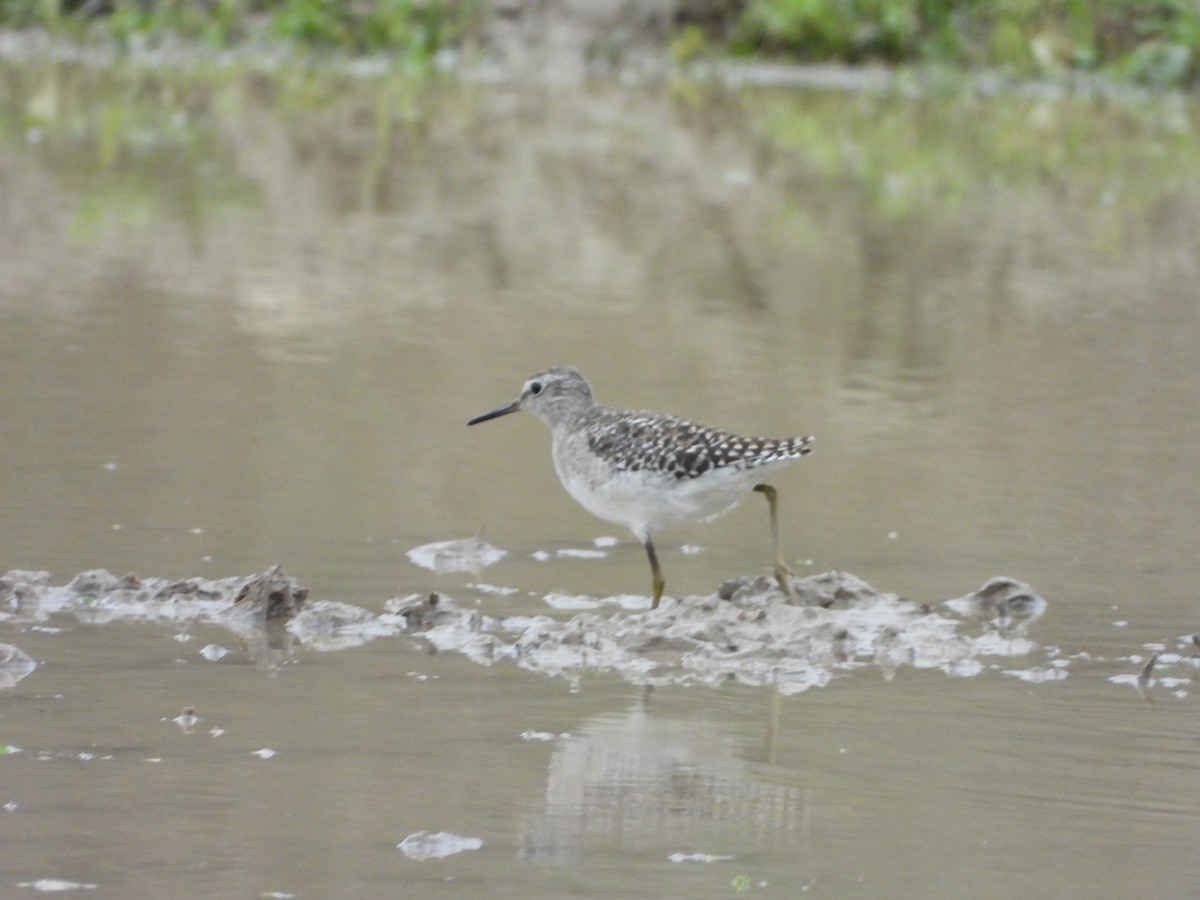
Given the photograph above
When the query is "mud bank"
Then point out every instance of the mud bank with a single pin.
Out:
(747, 631)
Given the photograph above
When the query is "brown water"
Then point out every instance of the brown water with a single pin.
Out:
(244, 319)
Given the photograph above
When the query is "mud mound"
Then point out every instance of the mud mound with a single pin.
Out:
(748, 630)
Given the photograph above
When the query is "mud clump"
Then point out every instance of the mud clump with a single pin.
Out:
(98, 595)
(254, 607)
(749, 631)
(272, 595)
(421, 612)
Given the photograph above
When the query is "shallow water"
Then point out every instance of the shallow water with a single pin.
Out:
(244, 319)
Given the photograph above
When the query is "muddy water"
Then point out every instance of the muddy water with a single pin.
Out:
(244, 319)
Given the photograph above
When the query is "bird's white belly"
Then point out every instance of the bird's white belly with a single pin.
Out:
(645, 501)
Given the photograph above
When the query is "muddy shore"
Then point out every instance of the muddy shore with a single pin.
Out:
(747, 630)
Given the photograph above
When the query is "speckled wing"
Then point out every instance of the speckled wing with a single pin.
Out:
(681, 448)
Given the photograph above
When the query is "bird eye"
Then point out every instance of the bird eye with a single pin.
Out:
(535, 388)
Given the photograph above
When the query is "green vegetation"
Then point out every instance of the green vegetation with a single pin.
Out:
(1155, 42)
(418, 28)
(742, 883)
(1150, 42)
(1120, 158)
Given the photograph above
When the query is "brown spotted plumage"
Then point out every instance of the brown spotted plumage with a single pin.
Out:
(637, 441)
(649, 471)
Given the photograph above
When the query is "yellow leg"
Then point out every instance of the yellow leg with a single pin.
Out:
(783, 574)
(656, 577)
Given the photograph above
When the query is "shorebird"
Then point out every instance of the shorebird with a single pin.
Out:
(649, 471)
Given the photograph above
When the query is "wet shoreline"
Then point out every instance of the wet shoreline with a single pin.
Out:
(568, 66)
(747, 631)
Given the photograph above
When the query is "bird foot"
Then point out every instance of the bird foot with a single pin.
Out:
(784, 576)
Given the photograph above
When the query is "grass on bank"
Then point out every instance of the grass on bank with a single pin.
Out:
(417, 28)
(1152, 42)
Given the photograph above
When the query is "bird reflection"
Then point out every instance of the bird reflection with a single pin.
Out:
(636, 775)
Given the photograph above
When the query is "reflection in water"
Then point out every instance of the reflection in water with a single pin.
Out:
(463, 555)
(636, 777)
(15, 664)
(269, 643)
(187, 720)
(898, 338)
(423, 845)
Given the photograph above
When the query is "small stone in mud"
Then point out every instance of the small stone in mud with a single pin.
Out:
(272, 595)
(730, 587)
(1008, 600)
(19, 588)
(839, 646)
(834, 588)
(735, 590)
(421, 611)
(94, 583)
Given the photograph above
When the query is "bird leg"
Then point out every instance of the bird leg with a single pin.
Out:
(783, 574)
(656, 577)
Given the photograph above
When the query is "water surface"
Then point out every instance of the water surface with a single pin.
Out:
(244, 319)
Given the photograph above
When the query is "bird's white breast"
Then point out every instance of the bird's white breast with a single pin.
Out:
(646, 500)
